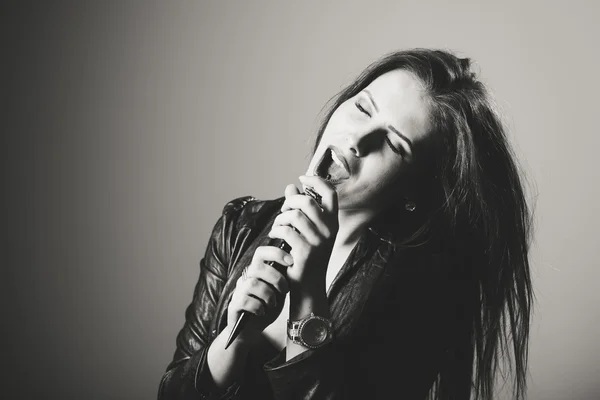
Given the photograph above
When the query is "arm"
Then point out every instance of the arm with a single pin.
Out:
(309, 226)
(299, 372)
(384, 356)
(396, 350)
(188, 376)
(301, 305)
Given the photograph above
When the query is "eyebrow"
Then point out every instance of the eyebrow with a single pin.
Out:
(407, 140)
(371, 98)
(396, 131)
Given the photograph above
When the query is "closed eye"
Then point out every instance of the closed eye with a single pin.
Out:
(361, 108)
(398, 150)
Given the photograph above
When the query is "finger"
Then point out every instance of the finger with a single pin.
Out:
(325, 189)
(290, 190)
(252, 305)
(264, 254)
(267, 273)
(299, 221)
(313, 212)
(293, 238)
(242, 300)
(270, 276)
(260, 290)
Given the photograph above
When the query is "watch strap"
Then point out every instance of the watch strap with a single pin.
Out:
(294, 330)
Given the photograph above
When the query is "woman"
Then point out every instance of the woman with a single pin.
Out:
(408, 273)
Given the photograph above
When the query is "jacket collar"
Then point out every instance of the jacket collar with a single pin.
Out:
(392, 226)
(383, 234)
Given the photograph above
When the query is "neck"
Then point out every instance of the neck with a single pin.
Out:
(352, 223)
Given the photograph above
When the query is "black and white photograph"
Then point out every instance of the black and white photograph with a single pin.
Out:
(300, 200)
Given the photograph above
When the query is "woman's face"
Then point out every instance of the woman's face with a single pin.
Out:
(375, 139)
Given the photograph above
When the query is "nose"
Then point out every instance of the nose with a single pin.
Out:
(358, 140)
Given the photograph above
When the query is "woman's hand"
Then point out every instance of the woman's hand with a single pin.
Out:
(310, 230)
(260, 290)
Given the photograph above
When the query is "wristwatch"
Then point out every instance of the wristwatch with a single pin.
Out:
(312, 331)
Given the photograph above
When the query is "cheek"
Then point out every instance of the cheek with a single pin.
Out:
(384, 175)
(384, 166)
(330, 129)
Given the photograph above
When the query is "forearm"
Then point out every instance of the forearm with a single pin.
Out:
(227, 365)
(302, 303)
(209, 372)
(312, 374)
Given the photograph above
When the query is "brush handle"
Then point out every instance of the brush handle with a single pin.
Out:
(244, 316)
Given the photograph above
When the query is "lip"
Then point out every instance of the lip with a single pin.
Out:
(341, 157)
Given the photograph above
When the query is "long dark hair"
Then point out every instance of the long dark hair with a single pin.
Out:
(476, 199)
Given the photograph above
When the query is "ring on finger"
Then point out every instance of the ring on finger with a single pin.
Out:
(309, 191)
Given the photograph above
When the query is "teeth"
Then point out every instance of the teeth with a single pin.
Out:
(337, 160)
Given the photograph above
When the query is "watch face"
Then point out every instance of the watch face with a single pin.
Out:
(314, 332)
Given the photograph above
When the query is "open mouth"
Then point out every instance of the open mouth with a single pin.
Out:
(331, 168)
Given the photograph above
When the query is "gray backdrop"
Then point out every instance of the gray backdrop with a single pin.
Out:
(128, 125)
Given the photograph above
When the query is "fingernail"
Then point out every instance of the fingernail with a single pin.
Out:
(288, 259)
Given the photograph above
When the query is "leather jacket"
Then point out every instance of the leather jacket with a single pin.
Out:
(396, 312)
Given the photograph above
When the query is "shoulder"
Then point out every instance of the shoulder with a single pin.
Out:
(248, 211)
(237, 204)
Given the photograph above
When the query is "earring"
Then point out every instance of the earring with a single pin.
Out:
(410, 205)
